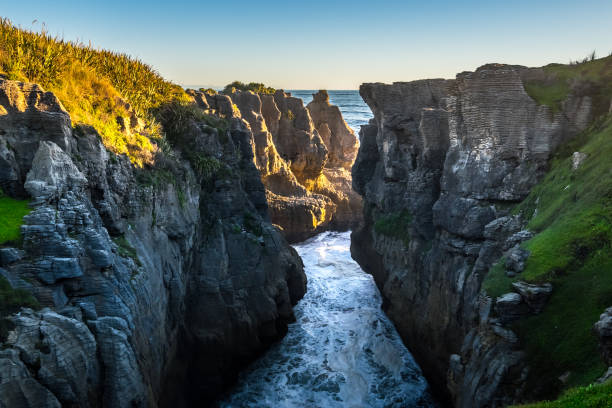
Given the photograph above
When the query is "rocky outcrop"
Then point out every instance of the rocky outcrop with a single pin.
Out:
(453, 155)
(303, 154)
(603, 330)
(339, 139)
(155, 285)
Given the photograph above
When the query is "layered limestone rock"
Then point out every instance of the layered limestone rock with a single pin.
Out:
(452, 154)
(156, 285)
(305, 172)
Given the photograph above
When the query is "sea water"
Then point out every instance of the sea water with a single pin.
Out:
(342, 351)
(353, 108)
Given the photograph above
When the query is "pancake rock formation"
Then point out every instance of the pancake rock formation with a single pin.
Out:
(437, 168)
(304, 156)
(155, 285)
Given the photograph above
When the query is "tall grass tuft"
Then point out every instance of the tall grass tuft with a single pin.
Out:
(98, 87)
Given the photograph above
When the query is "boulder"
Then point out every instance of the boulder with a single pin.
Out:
(510, 307)
(603, 330)
(52, 173)
(10, 255)
(577, 159)
(536, 296)
(606, 377)
(515, 261)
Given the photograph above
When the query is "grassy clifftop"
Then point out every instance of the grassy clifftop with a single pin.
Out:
(99, 88)
(592, 396)
(592, 77)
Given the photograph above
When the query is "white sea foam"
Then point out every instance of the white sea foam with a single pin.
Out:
(342, 351)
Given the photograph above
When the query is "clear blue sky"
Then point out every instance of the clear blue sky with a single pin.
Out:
(326, 44)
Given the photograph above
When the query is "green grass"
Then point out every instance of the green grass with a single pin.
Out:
(11, 300)
(496, 282)
(395, 225)
(592, 396)
(93, 85)
(548, 94)
(11, 215)
(589, 77)
(176, 118)
(251, 86)
(252, 224)
(572, 250)
(126, 250)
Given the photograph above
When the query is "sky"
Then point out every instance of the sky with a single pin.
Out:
(317, 44)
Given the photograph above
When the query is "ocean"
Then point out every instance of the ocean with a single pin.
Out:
(353, 108)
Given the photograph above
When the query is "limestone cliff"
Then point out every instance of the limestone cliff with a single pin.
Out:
(156, 285)
(439, 168)
(303, 154)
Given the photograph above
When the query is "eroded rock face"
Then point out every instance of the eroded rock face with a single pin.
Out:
(154, 293)
(452, 154)
(305, 172)
(340, 140)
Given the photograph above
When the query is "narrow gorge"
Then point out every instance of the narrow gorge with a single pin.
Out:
(163, 246)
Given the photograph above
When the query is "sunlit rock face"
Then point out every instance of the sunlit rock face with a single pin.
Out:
(154, 291)
(452, 154)
(304, 156)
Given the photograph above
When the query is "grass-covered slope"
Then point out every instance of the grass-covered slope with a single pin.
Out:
(592, 396)
(97, 87)
(12, 212)
(571, 213)
(591, 77)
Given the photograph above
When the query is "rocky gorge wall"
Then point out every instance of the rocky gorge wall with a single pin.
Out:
(304, 155)
(155, 285)
(439, 168)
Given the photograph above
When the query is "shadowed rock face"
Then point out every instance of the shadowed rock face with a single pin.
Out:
(451, 153)
(305, 172)
(153, 293)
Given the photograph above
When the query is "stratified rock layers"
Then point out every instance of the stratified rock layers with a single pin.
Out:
(156, 285)
(453, 154)
(304, 156)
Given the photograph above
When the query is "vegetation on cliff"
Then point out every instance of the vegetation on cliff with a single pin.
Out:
(107, 90)
(570, 211)
(11, 300)
(591, 77)
(12, 212)
(395, 225)
(251, 86)
(591, 396)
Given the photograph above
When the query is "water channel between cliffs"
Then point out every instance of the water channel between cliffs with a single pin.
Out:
(342, 351)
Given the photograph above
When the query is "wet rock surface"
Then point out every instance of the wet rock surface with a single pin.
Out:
(455, 155)
(153, 293)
